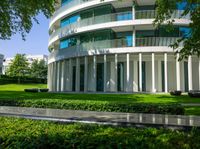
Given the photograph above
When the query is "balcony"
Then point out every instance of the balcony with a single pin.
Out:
(151, 14)
(72, 28)
(155, 41)
(67, 6)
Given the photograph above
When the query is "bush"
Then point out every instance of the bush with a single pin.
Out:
(43, 89)
(194, 93)
(32, 90)
(29, 134)
(175, 93)
(4, 79)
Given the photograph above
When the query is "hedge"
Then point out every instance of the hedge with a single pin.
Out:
(175, 109)
(29, 134)
(4, 79)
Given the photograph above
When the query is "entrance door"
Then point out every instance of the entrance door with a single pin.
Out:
(186, 76)
(74, 78)
(120, 76)
(82, 77)
(100, 77)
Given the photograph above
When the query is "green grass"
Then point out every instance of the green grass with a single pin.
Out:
(20, 87)
(22, 133)
(13, 94)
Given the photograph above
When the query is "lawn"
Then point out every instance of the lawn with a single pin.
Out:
(23, 133)
(13, 95)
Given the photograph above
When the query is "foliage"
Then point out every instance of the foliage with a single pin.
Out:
(19, 66)
(39, 69)
(191, 44)
(22, 133)
(18, 15)
(4, 79)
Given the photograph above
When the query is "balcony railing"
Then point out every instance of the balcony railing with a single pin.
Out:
(67, 6)
(151, 14)
(155, 41)
(71, 28)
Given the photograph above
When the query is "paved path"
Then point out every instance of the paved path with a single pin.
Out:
(112, 118)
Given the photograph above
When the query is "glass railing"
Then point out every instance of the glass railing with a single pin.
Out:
(71, 28)
(67, 6)
(155, 41)
(151, 14)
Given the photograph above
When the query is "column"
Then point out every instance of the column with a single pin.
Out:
(115, 79)
(166, 73)
(178, 81)
(133, 11)
(70, 74)
(135, 76)
(94, 73)
(190, 73)
(77, 74)
(86, 74)
(58, 76)
(105, 73)
(140, 72)
(127, 72)
(159, 89)
(199, 73)
(153, 72)
(62, 76)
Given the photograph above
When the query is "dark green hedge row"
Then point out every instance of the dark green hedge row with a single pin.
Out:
(4, 79)
(175, 109)
(28, 134)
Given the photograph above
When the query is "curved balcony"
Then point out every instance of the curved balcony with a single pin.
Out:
(151, 14)
(115, 46)
(72, 28)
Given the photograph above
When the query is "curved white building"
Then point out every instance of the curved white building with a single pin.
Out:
(112, 46)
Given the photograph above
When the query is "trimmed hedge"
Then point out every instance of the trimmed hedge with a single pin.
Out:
(194, 93)
(175, 109)
(29, 134)
(4, 79)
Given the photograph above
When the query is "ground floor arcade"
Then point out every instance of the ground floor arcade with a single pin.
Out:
(131, 72)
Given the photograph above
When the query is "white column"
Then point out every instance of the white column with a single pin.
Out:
(190, 73)
(127, 72)
(140, 72)
(199, 73)
(86, 74)
(105, 73)
(166, 73)
(70, 74)
(77, 74)
(58, 76)
(135, 76)
(153, 72)
(94, 73)
(115, 79)
(178, 80)
(62, 76)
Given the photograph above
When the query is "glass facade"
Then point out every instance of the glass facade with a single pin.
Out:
(65, 2)
(69, 20)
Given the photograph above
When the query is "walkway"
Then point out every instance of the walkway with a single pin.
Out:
(111, 118)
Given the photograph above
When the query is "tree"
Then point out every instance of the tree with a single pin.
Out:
(19, 67)
(18, 15)
(191, 44)
(39, 69)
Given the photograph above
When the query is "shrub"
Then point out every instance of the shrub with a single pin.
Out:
(43, 89)
(32, 90)
(29, 134)
(194, 93)
(175, 93)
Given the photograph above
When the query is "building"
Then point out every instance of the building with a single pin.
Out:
(30, 58)
(1, 63)
(112, 46)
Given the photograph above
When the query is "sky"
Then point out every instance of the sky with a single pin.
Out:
(36, 41)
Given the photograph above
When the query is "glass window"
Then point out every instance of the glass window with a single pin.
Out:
(185, 32)
(124, 16)
(181, 5)
(127, 37)
(64, 44)
(64, 2)
(69, 20)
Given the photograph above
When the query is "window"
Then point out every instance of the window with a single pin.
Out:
(69, 20)
(65, 2)
(68, 43)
